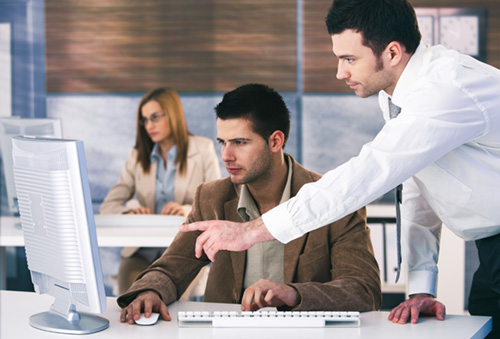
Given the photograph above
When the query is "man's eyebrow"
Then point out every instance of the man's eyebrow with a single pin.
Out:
(345, 56)
(235, 139)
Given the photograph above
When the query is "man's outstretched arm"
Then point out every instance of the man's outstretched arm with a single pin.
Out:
(226, 235)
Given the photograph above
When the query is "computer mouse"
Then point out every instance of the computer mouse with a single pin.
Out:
(143, 321)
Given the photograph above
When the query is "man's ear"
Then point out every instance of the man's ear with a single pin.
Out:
(394, 53)
(276, 141)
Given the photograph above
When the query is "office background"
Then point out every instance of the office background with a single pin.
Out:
(89, 63)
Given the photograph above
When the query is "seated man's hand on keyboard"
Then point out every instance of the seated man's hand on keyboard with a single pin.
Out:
(266, 293)
(146, 302)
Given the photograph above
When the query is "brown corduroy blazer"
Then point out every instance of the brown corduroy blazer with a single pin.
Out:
(333, 268)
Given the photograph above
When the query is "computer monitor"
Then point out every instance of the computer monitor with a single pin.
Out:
(12, 126)
(59, 233)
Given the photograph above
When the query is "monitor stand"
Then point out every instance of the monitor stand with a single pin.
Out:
(63, 318)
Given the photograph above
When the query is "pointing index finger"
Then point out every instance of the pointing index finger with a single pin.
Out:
(195, 226)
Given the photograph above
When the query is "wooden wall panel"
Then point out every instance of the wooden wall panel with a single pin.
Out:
(129, 46)
(320, 65)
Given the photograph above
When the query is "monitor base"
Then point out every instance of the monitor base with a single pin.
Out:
(51, 322)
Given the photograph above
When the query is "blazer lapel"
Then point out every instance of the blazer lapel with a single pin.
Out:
(293, 249)
(182, 182)
(237, 258)
(150, 184)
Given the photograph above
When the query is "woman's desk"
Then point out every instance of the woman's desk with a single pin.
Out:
(17, 307)
(112, 231)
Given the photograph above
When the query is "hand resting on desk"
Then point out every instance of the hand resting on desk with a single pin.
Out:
(140, 210)
(146, 303)
(418, 303)
(170, 208)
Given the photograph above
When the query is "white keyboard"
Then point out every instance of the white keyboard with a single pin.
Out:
(269, 319)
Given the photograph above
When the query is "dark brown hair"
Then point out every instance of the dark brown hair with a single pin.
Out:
(379, 21)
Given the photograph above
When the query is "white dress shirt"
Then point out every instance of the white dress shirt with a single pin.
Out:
(444, 146)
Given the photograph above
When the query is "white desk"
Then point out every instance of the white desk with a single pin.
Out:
(130, 234)
(451, 263)
(17, 307)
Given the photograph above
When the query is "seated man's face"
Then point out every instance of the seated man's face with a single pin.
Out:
(245, 153)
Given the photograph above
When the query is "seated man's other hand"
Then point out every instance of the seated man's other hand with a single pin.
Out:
(146, 302)
(418, 303)
(266, 293)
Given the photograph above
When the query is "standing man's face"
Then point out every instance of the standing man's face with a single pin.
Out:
(359, 67)
(246, 154)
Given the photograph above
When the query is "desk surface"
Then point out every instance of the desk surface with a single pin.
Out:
(108, 236)
(17, 307)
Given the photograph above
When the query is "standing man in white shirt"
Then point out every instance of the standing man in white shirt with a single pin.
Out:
(444, 146)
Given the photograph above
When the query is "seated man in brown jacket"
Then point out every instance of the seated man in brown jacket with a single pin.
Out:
(332, 268)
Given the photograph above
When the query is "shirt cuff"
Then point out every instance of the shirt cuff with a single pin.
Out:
(422, 282)
(279, 223)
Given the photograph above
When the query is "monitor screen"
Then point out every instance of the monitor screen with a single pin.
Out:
(9, 127)
(59, 232)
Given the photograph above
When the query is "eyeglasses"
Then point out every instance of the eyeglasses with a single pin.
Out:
(154, 118)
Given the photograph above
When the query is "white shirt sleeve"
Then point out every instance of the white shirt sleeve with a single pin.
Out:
(420, 135)
(420, 234)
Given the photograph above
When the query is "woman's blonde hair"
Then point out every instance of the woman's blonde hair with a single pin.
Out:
(171, 104)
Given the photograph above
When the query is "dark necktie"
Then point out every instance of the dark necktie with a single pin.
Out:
(393, 112)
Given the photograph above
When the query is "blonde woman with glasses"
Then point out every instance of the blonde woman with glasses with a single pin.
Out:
(164, 168)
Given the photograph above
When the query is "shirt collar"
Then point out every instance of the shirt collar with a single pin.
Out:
(247, 209)
(405, 81)
(155, 153)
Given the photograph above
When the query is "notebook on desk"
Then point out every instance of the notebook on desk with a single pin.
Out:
(138, 220)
